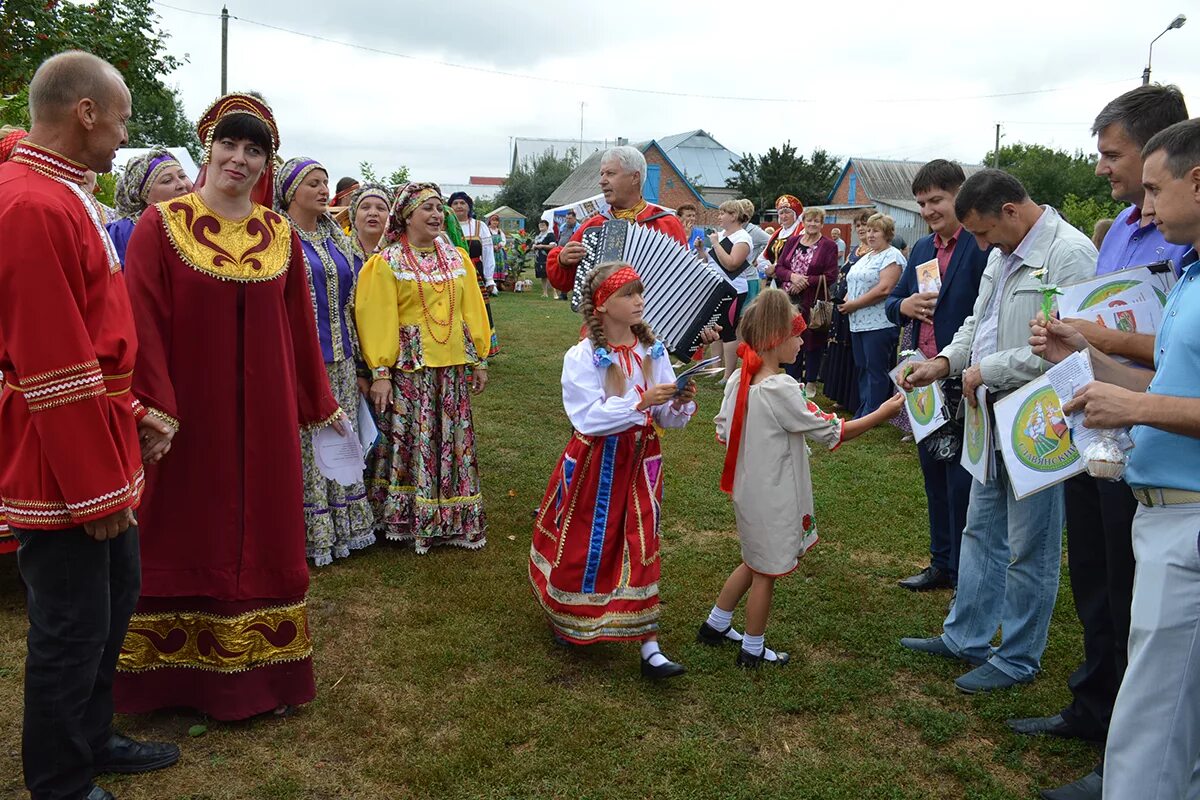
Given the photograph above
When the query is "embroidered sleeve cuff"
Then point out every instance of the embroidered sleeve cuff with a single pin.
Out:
(139, 410)
(162, 417)
(841, 432)
(325, 423)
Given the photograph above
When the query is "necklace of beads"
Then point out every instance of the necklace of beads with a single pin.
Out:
(441, 270)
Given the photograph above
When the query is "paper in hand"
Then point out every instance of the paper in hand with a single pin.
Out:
(681, 380)
(929, 276)
(338, 457)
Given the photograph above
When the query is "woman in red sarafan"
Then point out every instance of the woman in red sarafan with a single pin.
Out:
(233, 365)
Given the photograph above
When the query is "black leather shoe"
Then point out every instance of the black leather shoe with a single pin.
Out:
(927, 580)
(124, 755)
(1056, 725)
(747, 661)
(96, 793)
(711, 636)
(1089, 787)
(668, 669)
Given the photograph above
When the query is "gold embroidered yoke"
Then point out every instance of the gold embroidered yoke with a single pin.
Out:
(424, 314)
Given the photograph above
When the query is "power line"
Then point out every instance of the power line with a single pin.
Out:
(627, 89)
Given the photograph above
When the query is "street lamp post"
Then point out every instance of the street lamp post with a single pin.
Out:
(1175, 23)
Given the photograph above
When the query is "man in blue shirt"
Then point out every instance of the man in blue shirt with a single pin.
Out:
(1100, 513)
(1154, 735)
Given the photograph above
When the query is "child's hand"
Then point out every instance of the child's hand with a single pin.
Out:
(686, 395)
(892, 406)
(656, 396)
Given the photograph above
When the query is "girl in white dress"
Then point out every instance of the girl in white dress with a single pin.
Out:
(765, 415)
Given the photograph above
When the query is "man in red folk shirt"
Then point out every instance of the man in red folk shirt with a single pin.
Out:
(622, 171)
(70, 468)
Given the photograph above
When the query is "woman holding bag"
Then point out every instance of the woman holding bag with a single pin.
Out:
(807, 269)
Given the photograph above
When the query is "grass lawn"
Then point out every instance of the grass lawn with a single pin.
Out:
(436, 677)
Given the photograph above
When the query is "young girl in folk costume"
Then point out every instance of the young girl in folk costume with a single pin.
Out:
(763, 422)
(594, 563)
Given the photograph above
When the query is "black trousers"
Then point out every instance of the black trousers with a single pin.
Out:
(948, 490)
(80, 595)
(1100, 555)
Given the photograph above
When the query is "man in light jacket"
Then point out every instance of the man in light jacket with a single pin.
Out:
(1009, 561)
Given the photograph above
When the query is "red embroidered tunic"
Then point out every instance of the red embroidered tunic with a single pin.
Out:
(68, 428)
(563, 278)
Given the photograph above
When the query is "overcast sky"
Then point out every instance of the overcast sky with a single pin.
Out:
(869, 79)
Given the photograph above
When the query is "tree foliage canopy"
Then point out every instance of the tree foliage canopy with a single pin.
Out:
(780, 170)
(123, 32)
(535, 179)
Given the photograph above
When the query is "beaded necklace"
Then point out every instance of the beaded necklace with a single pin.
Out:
(437, 268)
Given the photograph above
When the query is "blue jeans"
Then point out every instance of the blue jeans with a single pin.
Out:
(874, 356)
(1008, 571)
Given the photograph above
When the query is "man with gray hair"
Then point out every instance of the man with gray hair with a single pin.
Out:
(622, 171)
(72, 466)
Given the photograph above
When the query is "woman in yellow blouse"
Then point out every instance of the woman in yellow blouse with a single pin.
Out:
(425, 335)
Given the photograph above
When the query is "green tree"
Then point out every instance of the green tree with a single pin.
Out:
(1051, 175)
(535, 179)
(1084, 212)
(780, 170)
(125, 33)
(397, 177)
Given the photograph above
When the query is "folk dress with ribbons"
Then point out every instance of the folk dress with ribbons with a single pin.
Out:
(68, 428)
(234, 364)
(422, 323)
(594, 563)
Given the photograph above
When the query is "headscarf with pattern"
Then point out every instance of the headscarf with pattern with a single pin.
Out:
(408, 198)
(133, 186)
(290, 177)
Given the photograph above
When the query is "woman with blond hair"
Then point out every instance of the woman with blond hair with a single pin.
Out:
(730, 250)
(807, 270)
(872, 334)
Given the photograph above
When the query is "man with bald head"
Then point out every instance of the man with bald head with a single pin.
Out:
(71, 466)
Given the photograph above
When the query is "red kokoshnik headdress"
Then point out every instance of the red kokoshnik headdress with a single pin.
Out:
(751, 364)
(238, 103)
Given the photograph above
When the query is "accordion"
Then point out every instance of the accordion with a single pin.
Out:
(684, 294)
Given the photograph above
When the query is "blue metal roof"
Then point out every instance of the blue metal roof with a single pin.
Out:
(700, 157)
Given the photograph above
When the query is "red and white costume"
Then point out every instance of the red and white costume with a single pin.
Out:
(594, 562)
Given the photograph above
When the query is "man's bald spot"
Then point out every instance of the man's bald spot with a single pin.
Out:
(65, 79)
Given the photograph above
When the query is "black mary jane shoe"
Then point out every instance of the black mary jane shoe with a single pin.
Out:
(747, 661)
(124, 755)
(711, 636)
(667, 669)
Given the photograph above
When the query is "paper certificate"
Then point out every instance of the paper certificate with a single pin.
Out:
(929, 276)
(978, 452)
(1144, 284)
(1035, 440)
(926, 406)
(339, 458)
(1130, 311)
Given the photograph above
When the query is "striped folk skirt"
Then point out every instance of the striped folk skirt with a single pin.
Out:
(594, 562)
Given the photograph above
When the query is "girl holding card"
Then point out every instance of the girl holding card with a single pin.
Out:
(594, 562)
(765, 414)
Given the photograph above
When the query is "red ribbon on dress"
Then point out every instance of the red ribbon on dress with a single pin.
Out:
(751, 364)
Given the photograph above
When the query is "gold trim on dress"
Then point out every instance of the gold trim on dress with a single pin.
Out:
(215, 643)
(255, 249)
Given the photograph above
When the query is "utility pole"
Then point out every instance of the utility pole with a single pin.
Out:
(996, 152)
(224, 50)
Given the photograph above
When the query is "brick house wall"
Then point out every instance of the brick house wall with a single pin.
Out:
(673, 190)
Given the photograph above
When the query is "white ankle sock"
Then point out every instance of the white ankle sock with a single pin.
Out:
(754, 646)
(719, 619)
(652, 654)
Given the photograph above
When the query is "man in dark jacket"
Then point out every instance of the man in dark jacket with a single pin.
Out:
(936, 316)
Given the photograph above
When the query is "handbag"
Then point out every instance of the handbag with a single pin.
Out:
(821, 314)
(945, 444)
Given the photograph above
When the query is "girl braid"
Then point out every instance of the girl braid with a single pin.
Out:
(614, 376)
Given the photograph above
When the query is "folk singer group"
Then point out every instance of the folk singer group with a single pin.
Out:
(167, 361)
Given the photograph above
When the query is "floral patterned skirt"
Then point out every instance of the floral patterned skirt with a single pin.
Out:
(337, 519)
(422, 474)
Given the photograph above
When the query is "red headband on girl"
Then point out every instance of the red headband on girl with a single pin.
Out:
(751, 363)
(612, 284)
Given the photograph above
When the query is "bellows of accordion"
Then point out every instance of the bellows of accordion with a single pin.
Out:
(684, 294)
